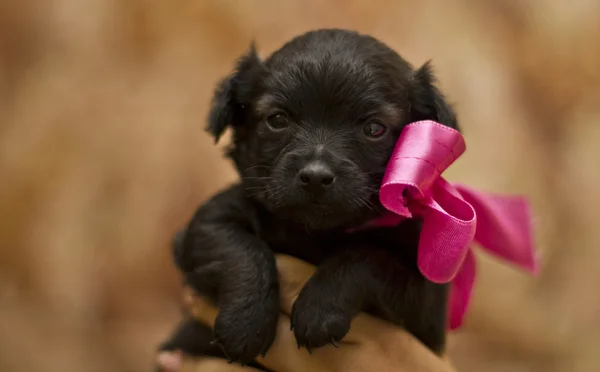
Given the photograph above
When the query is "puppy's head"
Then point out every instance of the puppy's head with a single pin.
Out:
(315, 124)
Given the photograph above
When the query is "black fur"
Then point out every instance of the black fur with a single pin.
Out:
(326, 85)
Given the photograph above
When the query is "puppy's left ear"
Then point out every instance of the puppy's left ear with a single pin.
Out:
(428, 102)
(232, 95)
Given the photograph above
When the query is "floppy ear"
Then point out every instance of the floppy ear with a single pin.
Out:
(428, 103)
(233, 94)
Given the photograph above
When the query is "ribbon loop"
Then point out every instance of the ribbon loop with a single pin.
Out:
(449, 226)
(424, 150)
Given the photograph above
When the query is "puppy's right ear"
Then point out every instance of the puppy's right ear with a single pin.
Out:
(232, 94)
(428, 102)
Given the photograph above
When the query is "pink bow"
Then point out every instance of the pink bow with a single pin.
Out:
(453, 216)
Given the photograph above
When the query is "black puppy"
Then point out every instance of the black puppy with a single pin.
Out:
(314, 126)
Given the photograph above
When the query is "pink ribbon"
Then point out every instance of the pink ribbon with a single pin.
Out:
(453, 215)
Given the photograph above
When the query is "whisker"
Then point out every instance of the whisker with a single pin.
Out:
(255, 194)
(254, 167)
(265, 178)
(361, 202)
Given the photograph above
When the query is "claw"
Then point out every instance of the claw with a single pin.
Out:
(335, 343)
(230, 361)
(291, 326)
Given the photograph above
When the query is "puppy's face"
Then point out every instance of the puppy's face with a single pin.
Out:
(316, 123)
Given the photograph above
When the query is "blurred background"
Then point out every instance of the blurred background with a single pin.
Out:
(103, 156)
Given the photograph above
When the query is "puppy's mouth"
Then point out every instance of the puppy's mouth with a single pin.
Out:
(318, 202)
(322, 213)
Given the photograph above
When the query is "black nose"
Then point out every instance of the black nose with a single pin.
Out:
(316, 176)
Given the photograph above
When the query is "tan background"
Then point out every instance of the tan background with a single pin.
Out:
(102, 157)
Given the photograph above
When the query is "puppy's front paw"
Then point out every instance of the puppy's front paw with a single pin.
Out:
(246, 328)
(317, 320)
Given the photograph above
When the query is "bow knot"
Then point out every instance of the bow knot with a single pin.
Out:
(453, 216)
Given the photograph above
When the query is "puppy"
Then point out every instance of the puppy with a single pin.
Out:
(314, 126)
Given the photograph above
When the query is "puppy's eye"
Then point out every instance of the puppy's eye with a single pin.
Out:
(374, 130)
(278, 121)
